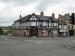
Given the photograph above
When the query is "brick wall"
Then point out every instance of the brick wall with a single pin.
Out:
(16, 32)
(24, 33)
(42, 33)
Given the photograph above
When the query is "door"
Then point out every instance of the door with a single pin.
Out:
(33, 31)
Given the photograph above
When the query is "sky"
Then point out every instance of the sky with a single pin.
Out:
(11, 9)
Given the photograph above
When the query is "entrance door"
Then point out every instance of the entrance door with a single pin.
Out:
(33, 31)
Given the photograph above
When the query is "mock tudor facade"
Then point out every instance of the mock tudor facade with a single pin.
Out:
(36, 25)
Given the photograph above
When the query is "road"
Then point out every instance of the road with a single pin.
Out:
(20, 46)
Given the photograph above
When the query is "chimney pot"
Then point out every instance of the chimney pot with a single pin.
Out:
(42, 13)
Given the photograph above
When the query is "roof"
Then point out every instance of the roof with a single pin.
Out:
(62, 20)
(62, 23)
(43, 17)
(40, 17)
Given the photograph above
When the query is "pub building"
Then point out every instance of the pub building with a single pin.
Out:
(36, 25)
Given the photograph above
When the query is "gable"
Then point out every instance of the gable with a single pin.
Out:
(33, 18)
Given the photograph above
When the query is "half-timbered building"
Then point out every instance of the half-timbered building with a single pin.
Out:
(36, 25)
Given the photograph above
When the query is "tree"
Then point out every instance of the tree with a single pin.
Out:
(72, 23)
(72, 18)
(1, 31)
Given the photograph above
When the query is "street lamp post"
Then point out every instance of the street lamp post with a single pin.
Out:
(41, 29)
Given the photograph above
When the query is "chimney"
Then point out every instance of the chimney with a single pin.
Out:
(42, 13)
(20, 17)
(53, 15)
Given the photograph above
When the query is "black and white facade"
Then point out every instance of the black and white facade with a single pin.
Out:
(36, 25)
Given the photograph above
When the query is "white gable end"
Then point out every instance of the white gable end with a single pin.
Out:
(33, 18)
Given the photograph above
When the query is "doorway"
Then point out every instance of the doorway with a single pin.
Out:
(33, 31)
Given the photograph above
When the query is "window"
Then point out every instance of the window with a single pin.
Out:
(60, 26)
(32, 23)
(45, 23)
(37, 23)
(40, 23)
(55, 24)
(49, 24)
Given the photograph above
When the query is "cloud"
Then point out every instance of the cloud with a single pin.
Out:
(43, 4)
(19, 2)
(2, 5)
(11, 9)
(5, 21)
(10, 13)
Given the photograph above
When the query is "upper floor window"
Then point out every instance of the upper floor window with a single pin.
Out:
(50, 23)
(55, 24)
(45, 23)
(32, 23)
(39, 23)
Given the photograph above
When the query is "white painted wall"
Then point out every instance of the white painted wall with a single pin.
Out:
(33, 18)
(63, 28)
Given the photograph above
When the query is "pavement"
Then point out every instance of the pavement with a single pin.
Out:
(22, 46)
